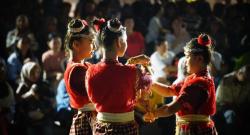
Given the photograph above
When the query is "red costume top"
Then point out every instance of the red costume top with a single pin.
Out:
(74, 77)
(112, 86)
(196, 95)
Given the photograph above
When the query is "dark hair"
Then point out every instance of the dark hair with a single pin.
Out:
(124, 18)
(202, 45)
(160, 40)
(109, 32)
(76, 28)
(53, 36)
(22, 17)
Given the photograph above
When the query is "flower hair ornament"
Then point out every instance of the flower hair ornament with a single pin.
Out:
(78, 30)
(204, 39)
(115, 30)
(98, 23)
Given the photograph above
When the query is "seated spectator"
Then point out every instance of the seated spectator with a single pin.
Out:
(181, 70)
(34, 102)
(64, 112)
(52, 60)
(155, 25)
(154, 29)
(135, 39)
(6, 100)
(21, 29)
(216, 67)
(192, 19)
(161, 61)
(21, 55)
(179, 37)
(49, 25)
(233, 99)
(244, 59)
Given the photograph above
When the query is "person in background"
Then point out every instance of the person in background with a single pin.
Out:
(155, 25)
(164, 72)
(216, 66)
(34, 102)
(233, 99)
(161, 61)
(64, 112)
(181, 70)
(52, 59)
(49, 25)
(7, 100)
(179, 37)
(154, 30)
(20, 56)
(22, 29)
(135, 40)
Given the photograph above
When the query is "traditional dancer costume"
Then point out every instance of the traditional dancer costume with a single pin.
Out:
(74, 78)
(197, 98)
(112, 87)
(196, 94)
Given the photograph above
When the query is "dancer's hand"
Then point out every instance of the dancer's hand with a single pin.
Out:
(140, 59)
(149, 117)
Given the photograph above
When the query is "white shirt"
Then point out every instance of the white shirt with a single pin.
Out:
(159, 62)
(216, 59)
(181, 70)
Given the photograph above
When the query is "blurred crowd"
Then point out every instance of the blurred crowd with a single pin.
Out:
(33, 97)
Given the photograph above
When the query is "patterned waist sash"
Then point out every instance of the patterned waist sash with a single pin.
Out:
(192, 118)
(115, 117)
(194, 124)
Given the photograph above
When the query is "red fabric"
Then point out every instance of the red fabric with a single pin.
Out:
(111, 86)
(74, 78)
(135, 44)
(197, 95)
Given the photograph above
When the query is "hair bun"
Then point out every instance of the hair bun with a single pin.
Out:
(204, 39)
(114, 25)
(77, 25)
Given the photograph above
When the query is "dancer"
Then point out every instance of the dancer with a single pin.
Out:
(79, 44)
(112, 86)
(195, 101)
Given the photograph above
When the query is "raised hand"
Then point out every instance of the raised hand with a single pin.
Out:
(140, 59)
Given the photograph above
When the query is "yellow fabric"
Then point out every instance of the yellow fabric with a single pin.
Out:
(88, 107)
(154, 100)
(192, 118)
(186, 119)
